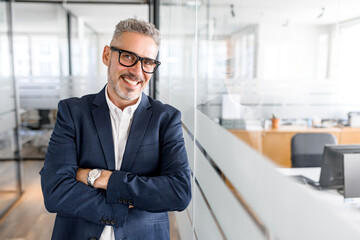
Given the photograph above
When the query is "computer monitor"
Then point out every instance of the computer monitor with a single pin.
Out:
(332, 169)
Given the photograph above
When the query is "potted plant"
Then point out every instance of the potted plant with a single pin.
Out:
(275, 121)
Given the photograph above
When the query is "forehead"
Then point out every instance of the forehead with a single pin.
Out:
(138, 43)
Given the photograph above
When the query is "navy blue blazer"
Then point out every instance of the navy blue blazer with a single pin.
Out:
(154, 175)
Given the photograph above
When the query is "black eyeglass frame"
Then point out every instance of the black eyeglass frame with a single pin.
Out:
(138, 58)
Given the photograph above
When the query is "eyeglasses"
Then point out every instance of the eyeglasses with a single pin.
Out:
(129, 59)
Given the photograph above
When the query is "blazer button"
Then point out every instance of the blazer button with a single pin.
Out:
(113, 222)
(130, 201)
(102, 221)
(120, 200)
(93, 238)
(125, 201)
(108, 221)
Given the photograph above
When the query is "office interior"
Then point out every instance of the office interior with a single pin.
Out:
(247, 75)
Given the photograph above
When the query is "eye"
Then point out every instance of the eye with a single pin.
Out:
(128, 56)
(149, 62)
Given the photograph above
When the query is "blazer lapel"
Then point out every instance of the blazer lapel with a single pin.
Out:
(138, 128)
(102, 122)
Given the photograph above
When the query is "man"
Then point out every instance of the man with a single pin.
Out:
(116, 161)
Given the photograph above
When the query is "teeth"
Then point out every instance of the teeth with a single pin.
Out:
(134, 83)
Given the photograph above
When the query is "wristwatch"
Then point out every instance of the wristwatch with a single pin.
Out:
(92, 176)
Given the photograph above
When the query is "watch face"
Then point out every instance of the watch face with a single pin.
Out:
(93, 173)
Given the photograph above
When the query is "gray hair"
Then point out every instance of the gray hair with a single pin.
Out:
(137, 26)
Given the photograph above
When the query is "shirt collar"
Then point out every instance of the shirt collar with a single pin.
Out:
(114, 109)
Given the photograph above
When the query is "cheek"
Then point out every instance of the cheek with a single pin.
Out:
(148, 77)
(115, 70)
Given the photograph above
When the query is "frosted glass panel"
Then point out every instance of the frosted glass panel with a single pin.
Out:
(205, 225)
(184, 225)
(233, 219)
(272, 197)
(7, 121)
(189, 144)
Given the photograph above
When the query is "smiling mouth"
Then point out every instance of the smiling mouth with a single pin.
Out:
(131, 82)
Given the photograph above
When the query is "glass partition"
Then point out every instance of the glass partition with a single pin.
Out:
(10, 181)
(44, 36)
(84, 60)
(247, 76)
(269, 72)
(41, 66)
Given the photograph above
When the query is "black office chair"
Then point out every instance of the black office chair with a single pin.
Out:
(307, 148)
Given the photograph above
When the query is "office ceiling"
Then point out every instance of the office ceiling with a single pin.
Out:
(44, 17)
(103, 18)
(89, 1)
(103, 15)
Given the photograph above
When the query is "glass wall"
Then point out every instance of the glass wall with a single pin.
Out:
(84, 60)
(291, 62)
(41, 65)
(10, 184)
(176, 80)
(247, 76)
(40, 53)
(55, 56)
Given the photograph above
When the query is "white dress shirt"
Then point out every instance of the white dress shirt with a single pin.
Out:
(120, 124)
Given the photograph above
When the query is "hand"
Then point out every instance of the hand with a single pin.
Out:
(102, 181)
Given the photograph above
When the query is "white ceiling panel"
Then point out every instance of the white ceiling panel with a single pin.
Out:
(103, 17)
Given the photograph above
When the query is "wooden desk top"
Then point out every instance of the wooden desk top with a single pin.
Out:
(298, 129)
(276, 143)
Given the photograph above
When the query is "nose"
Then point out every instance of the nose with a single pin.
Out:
(136, 69)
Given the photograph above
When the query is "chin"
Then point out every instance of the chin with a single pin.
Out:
(128, 96)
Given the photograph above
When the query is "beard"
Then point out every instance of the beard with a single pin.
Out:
(126, 94)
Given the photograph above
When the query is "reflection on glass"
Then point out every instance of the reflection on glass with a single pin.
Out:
(7, 108)
(36, 55)
(41, 66)
(264, 71)
(295, 61)
(45, 72)
(10, 180)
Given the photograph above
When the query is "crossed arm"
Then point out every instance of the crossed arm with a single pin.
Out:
(64, 192)
(101, 182)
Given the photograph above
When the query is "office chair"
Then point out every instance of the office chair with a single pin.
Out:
(307, 148)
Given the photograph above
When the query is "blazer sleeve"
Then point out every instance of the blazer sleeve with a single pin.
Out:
(63, 194)
(170, 190)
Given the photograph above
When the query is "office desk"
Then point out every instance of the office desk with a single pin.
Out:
(276, 143)
(310, 172)
(347, 209)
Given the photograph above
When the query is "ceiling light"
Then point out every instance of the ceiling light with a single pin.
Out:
(322, 12)
(193, 3)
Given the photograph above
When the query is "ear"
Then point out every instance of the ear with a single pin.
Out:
(106, 55)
